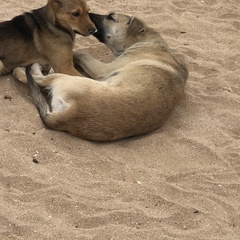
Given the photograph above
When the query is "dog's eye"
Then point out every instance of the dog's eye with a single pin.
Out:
(76, 14)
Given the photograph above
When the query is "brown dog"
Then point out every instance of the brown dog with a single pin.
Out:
(45, 35)
(132, 95)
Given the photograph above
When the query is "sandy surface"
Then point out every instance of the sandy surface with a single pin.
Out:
(180, 182)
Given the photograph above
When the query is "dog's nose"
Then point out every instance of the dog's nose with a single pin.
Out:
(92, 30)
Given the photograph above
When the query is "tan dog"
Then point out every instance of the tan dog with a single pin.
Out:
(130, 96)
(45, 35)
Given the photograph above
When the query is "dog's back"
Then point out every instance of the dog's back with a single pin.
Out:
(17, 41)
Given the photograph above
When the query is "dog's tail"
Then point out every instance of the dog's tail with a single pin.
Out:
(38, 97)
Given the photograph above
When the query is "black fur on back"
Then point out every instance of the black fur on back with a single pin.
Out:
(21, 25)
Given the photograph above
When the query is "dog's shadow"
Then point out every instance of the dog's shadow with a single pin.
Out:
(81, 71)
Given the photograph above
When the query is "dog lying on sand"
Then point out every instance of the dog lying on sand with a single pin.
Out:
(132, 95)
(45, 35)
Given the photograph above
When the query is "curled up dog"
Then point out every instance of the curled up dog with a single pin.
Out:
(132, 95)
(45, 35)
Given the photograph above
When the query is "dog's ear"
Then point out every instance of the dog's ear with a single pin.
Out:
(56, 4)
(136, 26)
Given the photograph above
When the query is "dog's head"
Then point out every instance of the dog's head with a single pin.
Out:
(118, 31)
(73, 15)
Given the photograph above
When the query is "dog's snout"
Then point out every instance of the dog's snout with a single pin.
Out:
(92, 30)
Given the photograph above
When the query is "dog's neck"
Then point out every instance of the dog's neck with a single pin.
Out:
(152, 39)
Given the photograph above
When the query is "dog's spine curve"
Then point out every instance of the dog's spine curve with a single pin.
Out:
(39, 99)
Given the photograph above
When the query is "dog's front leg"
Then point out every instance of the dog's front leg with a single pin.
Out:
(94, 68)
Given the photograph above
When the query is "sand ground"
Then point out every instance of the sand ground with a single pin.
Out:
(180, 182)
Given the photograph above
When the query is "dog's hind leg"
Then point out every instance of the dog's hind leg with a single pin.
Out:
(51, 117)
(19, 73)
(36, 72)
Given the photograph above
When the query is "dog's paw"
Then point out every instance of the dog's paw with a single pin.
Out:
(19, 73)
